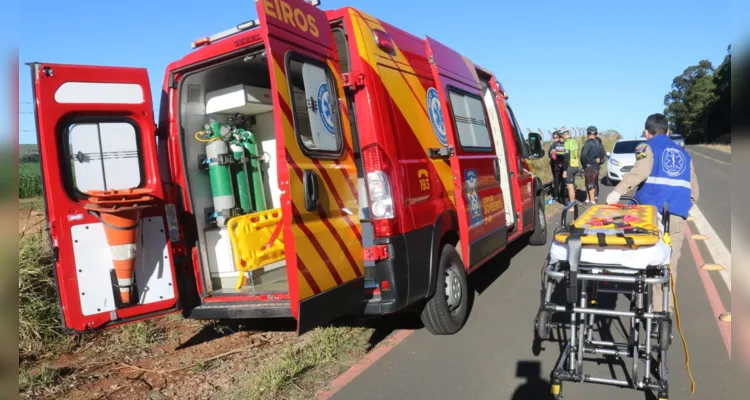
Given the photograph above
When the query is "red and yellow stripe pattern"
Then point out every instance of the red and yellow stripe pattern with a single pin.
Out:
(327, 241)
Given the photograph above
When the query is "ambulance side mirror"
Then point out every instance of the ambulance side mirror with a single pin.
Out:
(535, 145)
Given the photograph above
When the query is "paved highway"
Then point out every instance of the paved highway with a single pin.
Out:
(494, 356)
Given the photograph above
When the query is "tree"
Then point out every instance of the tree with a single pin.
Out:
(718, 118)
(692, 93)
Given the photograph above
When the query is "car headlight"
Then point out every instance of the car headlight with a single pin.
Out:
(614, 162)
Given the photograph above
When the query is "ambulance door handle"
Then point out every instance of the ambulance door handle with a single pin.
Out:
(310, 182)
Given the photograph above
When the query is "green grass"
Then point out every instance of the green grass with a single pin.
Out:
(38, 313)
(299, 369)
(29, 180)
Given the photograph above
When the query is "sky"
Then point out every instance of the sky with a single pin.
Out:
(574, 62)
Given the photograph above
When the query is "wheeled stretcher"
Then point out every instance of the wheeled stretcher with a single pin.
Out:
(620, 249)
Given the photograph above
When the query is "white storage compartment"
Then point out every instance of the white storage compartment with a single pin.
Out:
(220, 257)
(243, 99)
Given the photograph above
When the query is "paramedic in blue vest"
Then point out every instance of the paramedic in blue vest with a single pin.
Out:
(663, 173)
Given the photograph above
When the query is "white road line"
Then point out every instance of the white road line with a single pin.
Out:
(716, 247)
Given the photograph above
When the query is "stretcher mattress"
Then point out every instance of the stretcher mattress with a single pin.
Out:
(643, 249)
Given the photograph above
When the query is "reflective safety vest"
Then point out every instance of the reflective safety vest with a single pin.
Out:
(669, 181)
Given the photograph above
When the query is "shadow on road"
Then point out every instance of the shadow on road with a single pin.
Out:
(604, 328)
(535, 387)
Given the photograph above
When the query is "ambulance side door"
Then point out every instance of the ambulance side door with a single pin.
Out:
(95, 130)
(476, 172)
(317, 172)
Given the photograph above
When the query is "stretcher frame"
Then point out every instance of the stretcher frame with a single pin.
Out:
(577, 278)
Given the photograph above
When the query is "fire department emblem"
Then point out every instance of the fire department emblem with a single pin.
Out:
(673, 162)
(436, 116)
(324, 107)
(472, 197)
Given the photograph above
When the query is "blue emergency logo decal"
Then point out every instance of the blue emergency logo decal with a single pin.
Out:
(673, 162)
(472, 197)
(324, 107)
(435, 113)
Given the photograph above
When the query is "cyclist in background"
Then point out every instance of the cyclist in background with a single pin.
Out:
(557, 164)
(572, 163)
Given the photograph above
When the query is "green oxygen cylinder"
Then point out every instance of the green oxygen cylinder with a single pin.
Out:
(259, 193)
(240, 177)
(220, 178)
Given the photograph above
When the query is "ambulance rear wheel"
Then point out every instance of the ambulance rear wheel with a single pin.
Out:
(446, 312)
(539, 235)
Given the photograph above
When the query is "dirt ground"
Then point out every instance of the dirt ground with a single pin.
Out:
(181, 359)
(195, 361)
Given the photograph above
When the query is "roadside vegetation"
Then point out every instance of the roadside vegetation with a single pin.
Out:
(699, 103)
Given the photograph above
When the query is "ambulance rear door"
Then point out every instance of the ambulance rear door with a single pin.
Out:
(95, 129)
(317, 172)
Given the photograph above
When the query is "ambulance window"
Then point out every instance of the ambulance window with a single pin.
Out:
(339, 36)
(470, 120)
(520, 142)
(103, 155)
(315, 108)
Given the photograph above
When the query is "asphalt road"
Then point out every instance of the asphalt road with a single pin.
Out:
(494, 356)
(714, 171)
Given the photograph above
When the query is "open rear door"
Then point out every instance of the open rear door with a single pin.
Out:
(317, 173)
(479, 198)
(96, 132)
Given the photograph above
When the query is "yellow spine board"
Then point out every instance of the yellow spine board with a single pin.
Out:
(251, 236)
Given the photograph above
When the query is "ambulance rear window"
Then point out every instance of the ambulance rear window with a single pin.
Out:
(471, 123)
(315, 108)
(103, 154)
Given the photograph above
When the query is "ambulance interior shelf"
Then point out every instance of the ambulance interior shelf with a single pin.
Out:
(230, 145)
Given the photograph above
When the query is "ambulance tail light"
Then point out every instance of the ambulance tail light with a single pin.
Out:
(380, 193)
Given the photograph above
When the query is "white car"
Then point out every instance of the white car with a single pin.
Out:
(622, 158)
(678, 139)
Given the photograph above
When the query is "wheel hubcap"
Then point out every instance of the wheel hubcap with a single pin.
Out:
(452, 288)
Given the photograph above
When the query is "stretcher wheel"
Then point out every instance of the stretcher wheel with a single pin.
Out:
(556, 390)
(542, 325)
(665, 335)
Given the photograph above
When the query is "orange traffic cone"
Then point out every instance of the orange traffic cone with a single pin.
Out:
(122, 234)
(120, 213)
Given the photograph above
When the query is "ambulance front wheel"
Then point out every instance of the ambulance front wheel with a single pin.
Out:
(539, 234)
(446, 312)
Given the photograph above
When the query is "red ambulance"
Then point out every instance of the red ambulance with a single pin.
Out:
(391, 164)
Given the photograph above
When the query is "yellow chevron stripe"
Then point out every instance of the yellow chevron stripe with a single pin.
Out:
(313, 261)
(405, 89)
(303, 289)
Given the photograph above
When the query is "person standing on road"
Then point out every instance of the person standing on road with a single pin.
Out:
(665, 174)
(572, 163)
(591, 158)
(603, 158)
(557, 161)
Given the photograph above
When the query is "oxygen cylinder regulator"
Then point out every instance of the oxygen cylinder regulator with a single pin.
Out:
(234, 170)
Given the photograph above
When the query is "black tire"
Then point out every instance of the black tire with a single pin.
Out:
(542, 325)
(539, 234)
(438, 316)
